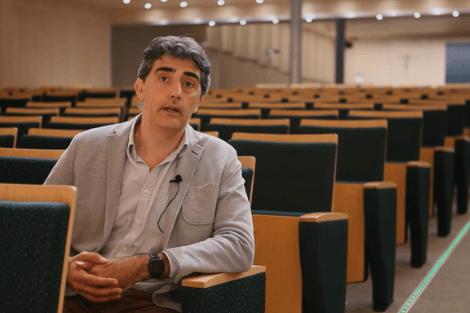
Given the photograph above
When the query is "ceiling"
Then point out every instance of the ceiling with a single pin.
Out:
(320, 7)
(398, 20)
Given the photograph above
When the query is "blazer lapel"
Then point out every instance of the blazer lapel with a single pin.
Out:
(116, 146)
(186, 167)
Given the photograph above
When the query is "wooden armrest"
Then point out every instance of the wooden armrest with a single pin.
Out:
(322, 217)
(380, 185)
(418, 164)
(209, 280)
(445, 149)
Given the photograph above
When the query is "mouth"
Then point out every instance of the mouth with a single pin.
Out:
(171, 109)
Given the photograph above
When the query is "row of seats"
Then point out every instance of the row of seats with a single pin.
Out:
(320, 260)
(372, 217)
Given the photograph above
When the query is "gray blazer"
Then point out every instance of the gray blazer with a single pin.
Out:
(209, 224)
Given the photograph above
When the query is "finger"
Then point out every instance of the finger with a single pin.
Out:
(90, 257)
(77, 275)
(84, 265)
(93, 280)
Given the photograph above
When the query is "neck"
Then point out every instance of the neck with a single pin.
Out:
(154, 144)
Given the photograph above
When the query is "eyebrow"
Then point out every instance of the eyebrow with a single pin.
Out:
(172, 70)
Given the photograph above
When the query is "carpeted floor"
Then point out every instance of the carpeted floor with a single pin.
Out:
(448, 292)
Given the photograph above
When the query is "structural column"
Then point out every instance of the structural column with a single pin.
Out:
(340, 34)
(295, 59)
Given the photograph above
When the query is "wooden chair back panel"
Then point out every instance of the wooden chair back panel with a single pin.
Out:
(348, 198)
(41, 193)
(279, 252)
(396, 172)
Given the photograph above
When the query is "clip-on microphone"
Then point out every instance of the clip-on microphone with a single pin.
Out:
(177, 179)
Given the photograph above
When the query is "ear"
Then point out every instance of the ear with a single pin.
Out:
(139, 89)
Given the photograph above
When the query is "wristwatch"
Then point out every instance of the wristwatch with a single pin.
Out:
(155, 266)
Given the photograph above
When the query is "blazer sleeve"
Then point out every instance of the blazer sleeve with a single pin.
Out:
(231, 247)
(63, 171)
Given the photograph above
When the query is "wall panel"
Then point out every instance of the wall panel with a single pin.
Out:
(53, 45)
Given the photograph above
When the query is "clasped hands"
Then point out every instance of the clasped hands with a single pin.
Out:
(98, 279)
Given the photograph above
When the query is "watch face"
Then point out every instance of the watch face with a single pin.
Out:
(155, 266)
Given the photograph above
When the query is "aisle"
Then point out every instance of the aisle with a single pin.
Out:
(439, 295)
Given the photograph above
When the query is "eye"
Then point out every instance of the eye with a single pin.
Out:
(163, 78)
(188, 84)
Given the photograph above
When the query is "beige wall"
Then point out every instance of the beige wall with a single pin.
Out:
(396, 62)
(51, 44)
(240, 54)
(129, 41)
(318, 52)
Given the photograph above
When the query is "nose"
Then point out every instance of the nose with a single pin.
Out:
(175, 90)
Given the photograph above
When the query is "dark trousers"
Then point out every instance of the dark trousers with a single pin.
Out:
(131, 301)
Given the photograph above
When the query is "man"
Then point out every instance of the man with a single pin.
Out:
(156, 200)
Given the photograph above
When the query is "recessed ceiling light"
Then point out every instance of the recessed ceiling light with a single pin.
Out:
(417, 15)
(379, 17)
(147, 5)
(259, 1)
(242, 22)
(437, 11)
(163, 1)
(220, 3)
(211, 23)
(126, 1)
(309, 19)
(455, 13)
(183, 4)
(275, 20)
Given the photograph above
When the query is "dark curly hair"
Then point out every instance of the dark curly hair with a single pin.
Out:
(179, 47)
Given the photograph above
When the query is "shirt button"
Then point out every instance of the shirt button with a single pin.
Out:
(146, 191)
(124, 248)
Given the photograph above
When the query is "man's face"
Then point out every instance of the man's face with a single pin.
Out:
(170, 93)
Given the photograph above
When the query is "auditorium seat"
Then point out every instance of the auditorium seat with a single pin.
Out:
(267, 107)
(35, 235)
(225, 292)
(46, 113)
(369, 202)
(442, 160)
(206, 114)
(227, 126)
(15, 101)
(93, 112)
(412, 176)
(248, 172)
(49, 105)
(8, 137)
(99, 93)
(295, 115)
(222, 105)
(26, 166)
(302, 244)
(65, 122)
(47, 138)
(23, 123)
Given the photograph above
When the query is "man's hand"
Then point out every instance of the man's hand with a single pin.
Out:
(127, 271)
(90, 286)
